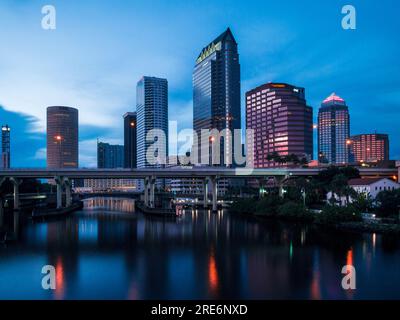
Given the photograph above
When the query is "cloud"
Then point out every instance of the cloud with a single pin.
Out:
(41, 154)
(25, 143)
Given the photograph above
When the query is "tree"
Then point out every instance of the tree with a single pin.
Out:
(363, 202)
(388, 203)
(339, 186)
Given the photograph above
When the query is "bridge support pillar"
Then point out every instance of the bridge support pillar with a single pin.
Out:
(205, 190)
(152, 192)
(16, 182)
(68, 199)
(214, 192)
(59, 183)
(146, 191)
(281, 181)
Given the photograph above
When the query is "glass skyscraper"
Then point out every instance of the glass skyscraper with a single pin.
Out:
(152, 113)
(216, 91)
(333, 131)
(109, 156)
(5, 147)
(130, 151)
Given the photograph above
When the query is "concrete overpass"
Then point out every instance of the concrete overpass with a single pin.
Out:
(209, 175)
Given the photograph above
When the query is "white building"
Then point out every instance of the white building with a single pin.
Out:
(372, 186)
(367, 186)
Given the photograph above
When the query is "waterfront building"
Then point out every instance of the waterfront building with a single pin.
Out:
(333, 131)
(130, 136)
(369, 187)
(369, 148)
(5, 147)
(62, 137)
(216, 95)
(282, 124)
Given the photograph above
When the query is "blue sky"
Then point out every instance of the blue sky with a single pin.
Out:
(100, 49)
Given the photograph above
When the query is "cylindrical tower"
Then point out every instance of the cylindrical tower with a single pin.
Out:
(62, 137)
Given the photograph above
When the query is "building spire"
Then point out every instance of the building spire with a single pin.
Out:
(334, 98)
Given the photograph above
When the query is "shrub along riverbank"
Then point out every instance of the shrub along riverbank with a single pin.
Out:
(332, 216)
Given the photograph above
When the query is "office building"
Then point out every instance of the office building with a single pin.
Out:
(130, 151)
(216, 96)
(369, 148)
(62, 137)
(109, 156)
(5, 147)
(282, 124)
(152, 113)
(333, 131)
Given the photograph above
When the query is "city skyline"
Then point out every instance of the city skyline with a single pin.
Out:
(316, 70)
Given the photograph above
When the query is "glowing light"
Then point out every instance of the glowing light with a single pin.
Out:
(213, 278)
(315, 126)
(291, 250)
(349, 259)
(374, 241)
(59, 292)
(333, 97)
(58, 138)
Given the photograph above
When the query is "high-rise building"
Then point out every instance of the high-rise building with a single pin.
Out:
(130, 151)
(367, 148)
(62, 137)
(109, 156)
(5, 147)
(282, 123)
(216, 94)
(333, 131)
(152, 113)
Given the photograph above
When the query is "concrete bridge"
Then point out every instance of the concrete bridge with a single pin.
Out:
(209, 176)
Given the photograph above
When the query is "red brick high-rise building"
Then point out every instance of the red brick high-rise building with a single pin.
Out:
(282, 123)
(372, 147)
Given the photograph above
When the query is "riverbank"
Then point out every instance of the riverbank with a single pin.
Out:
(49, 213)
(331, 217)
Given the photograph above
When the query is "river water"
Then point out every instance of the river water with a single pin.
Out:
(109, 251)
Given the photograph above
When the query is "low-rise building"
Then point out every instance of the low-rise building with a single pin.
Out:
(372, 186)
(367, 186)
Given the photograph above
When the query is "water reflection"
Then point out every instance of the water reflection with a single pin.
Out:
(201, 255)
(110, 204)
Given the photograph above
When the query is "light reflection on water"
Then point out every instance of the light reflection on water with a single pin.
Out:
(102, 255)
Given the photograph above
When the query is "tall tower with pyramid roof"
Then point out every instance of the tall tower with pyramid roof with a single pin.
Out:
(216, 93)
(334, 131)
